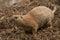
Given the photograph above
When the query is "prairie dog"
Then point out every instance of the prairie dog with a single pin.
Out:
(37, 16)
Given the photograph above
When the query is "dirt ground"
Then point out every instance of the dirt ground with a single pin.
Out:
(9, 30)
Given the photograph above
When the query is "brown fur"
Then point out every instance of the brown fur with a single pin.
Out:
(37, 16)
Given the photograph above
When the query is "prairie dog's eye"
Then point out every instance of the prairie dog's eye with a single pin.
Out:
(15, 17)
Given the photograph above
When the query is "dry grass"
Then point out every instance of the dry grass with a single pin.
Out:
(10, 31)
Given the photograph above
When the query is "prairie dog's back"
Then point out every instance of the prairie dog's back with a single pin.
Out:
(40, 13)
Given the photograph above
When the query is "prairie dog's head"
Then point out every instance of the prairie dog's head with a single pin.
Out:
(17, 18)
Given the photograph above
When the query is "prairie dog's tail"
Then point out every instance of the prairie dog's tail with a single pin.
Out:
(55, 8)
